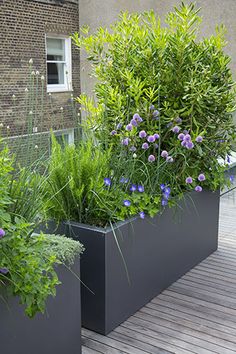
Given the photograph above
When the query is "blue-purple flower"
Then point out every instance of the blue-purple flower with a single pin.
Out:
(156, 136)
(156, 114)
(152, 107)
(107, 181)
(129, 127)
(164, 154)
(156, 146)
(151, 139)
(119, 126)
(133, 188)
(137, 118)
(201, 177)
(178, 120)
(2, 233)
(164, 202)
(4, 271)
(133, 148)
(181, 136)
(228, 159)
(142, 134)
(151, 158)
(169, 124)
(187, 137)
(189, 180)
(189, 145)
(140, 188)
(113, 132)
(199, 139)
(231, 178)
(176, 129)
(124, 180)
(198, 189)
(125, 141)
(142, 214)
(162, 186)
(145, 146)
(134, 122)
(127, 203)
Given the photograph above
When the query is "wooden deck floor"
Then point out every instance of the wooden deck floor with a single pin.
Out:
(197, 314)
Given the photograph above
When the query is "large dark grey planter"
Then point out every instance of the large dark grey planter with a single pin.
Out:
(57, 332)
(157, 252)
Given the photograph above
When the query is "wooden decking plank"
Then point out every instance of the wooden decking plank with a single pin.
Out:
(86, 350)
(230, 314)
(176, 312)
(137, 341)
(179, 339)
(100, 347)
(113, 343)
(201, 331)
(202, 340)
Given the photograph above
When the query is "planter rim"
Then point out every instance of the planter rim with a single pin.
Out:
(117, 225)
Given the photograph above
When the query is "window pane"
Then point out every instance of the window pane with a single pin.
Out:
(55, 73)
(55, 49)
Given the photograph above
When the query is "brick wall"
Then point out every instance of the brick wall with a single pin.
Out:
(23, 25)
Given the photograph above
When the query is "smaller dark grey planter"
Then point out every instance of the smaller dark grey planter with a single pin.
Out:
(157, 252)
(57, 332)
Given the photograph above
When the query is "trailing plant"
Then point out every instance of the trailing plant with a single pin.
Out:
(27, 262)
(164, 98)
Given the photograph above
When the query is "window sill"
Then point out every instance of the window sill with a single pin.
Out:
(59, 89)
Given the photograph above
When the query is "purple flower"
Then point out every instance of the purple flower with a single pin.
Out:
(2, 233)
(125, 141)
(162, 186)
(124, 180)
(151, 158)
(176, 129)
(156, 114)
(164, 202)
(140, 189)
(231, 178)
(137, 118)
(133, 148)
(156, 146)
(187, 137)
(190, 145)
(134, 123)
(107, 182)
(129, 127)
(167, 190)
(178, 120)
(145, 146)
(142, 214)
(127, 203)
(201, 177)
(181, 136)
(151, 139)
(152, 107)
(189, 180)
(133, 188)
(169, 125)
(164, 154)
(169, 159)
(228, 159)
(198, 189)
(199, 139)
(156, 136)
(113, 132)
(142, 134)
(4, 271)
(119, 126)
(183, 143)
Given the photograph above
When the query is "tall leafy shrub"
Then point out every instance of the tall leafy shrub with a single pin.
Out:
(179, 85)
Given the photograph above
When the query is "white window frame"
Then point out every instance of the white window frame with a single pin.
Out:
(70, 132)
(67, 86)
